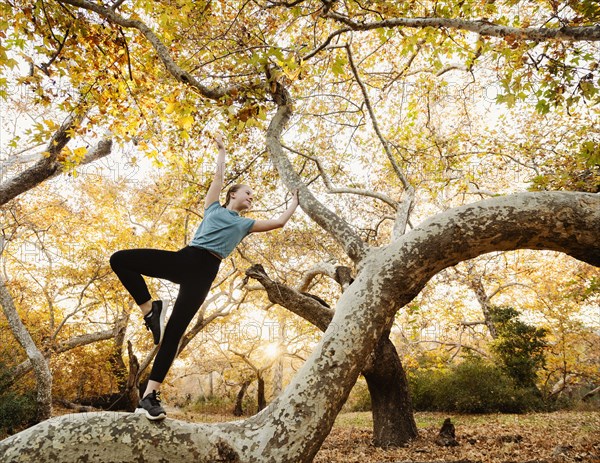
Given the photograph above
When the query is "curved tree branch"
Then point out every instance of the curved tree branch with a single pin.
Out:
(332, 189)
(304, 306)
(341, 274)
(326, 43)
(322, 268)
(64, 346)
(482, 27)
(337, 227)
(50, 166)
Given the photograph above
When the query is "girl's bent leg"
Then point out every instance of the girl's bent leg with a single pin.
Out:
(131, 264)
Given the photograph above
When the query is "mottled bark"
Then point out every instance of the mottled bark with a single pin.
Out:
(321, 268)
(293, 427)
(110, 437)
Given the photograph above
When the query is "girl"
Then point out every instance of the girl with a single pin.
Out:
(194, 268)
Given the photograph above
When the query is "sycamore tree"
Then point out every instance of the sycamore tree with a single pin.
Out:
(355, 101)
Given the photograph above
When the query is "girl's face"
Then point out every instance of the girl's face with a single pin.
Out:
(241, 200)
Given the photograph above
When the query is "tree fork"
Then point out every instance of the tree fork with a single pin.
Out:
(393, 419)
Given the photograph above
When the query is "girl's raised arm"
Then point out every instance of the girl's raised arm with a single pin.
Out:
(268, 225)
(217, 184)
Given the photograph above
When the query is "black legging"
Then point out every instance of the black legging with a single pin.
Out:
(194, 269)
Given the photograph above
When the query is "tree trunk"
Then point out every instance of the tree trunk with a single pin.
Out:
(260, 394)
(278, 378)
(393, 418)
(116, 361)
(133, 390)
(40, 366)
(486, 306)
(239, 401)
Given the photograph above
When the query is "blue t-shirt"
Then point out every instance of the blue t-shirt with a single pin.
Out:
(221, 230)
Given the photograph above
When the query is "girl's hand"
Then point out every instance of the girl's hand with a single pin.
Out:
(218, 138)
(295, 197)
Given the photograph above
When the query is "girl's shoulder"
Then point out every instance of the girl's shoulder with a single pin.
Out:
(212, 206)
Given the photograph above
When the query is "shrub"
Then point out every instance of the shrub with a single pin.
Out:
(473, 386)
(18, 408)
(16, 411)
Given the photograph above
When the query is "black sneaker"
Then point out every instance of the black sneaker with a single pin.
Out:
(151, 407)
(155, 321)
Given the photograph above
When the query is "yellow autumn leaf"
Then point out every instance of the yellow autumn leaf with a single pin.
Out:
(50, 124)
(186, 122)
(79, 153)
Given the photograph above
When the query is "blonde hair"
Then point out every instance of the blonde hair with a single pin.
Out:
(232, 189)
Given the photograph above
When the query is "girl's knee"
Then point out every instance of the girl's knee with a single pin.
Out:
(116, 259)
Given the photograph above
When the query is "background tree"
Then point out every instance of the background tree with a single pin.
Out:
(519, 346)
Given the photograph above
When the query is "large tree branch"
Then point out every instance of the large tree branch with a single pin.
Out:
(77, 341)
(90, 338)
(307, 306)
(482, 27)
(49, 166)
(45, 167)
(322, 268)
(300, 304)
(337, 227)
(161, 49)
(340, 273)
